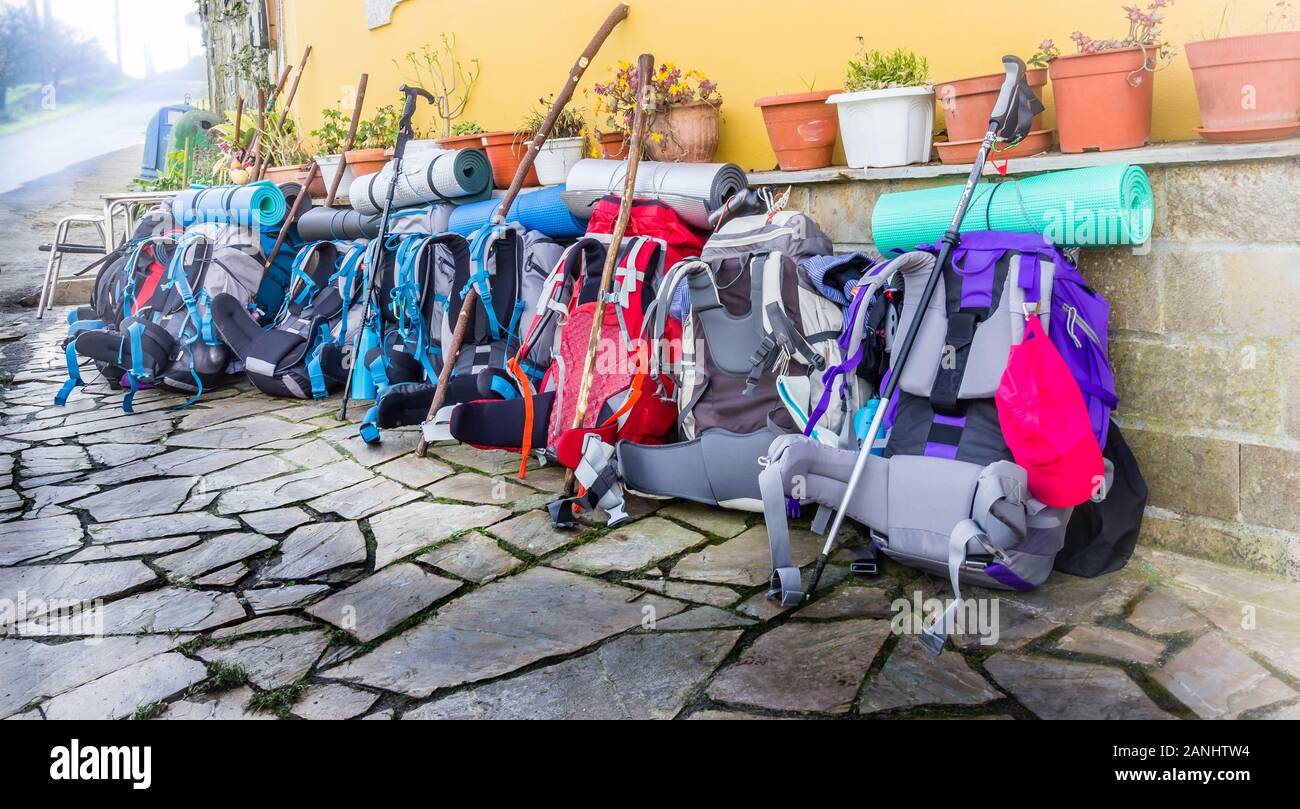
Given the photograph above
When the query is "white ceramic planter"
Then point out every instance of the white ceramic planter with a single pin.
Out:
(881, 128)
(329, 166)
(556, 157)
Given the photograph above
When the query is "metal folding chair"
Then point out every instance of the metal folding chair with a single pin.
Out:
(61, 247)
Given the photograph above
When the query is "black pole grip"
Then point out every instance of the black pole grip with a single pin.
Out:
(822, 559)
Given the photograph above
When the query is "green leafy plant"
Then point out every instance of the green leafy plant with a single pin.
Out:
(880, 70)
(172, 178)
(466, 128)
(438, 70)
(333, 131)
(569, 123)
(379, 132)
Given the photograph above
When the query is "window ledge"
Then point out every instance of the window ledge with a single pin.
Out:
(1183, 152)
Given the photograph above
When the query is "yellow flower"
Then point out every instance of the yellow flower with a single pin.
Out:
(656, 137)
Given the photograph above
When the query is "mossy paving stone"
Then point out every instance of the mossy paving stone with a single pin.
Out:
(381, 601)
(645, 676)
(914, 677)
(630, 547)
(502, 627)
(318, 548)
(272, 661)
(402, 531)
(475, 556)
(803, 667)
(1218, 681)
(1064, 689)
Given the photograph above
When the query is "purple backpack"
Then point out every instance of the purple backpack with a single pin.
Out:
(1079, 317)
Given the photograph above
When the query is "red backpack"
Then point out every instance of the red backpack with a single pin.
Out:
(624, 401)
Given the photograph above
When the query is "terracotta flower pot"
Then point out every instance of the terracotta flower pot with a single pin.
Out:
(968, 103)
(802, 128)
(366, 161)
(1103, 100)
(613, 145)
(505, 151)
(297, 174)
(687, 133)
(1248, 82)
(462, 141)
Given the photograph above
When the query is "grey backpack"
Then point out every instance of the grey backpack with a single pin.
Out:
(948, 498)
(755, 341)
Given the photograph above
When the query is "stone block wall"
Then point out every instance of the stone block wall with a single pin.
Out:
(1205, 342)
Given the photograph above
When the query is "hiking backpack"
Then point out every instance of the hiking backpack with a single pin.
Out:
(424, 283)
(946, 495)
(300, 354)
(756, 344)
(624, 399)
(168, 340)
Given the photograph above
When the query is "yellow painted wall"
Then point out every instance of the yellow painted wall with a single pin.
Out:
(751, 49)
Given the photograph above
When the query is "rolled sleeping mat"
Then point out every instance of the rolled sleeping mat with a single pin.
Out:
(693, 190)
(336, 224)
(262, 204)
(1101, 205)
(429, 177)
(543, 211)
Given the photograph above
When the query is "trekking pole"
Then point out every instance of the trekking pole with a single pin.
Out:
(404, 134)
(644, 106)
(351, 139)
(1012, 113)
(452, 352)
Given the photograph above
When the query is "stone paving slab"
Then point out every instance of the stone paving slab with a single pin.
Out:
(119, 694)
(318, 548)
(272, 661)
(403, 531)
(803, 667)
(371, 607)
(537, 614)
(476, 557)
(912, 677)
(1218, 681)
(632, 677)
(1064, 689)
(632, 547)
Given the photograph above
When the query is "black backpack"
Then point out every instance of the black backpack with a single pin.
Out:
(1101, 535)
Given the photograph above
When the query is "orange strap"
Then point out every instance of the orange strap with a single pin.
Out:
(526, 390)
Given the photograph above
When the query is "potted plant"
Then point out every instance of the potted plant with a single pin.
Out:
(613, 144)
(967, 105)
(802, 128)
(687, 123)
(464, 135)
(566, 145)
(330, 139)
(887, 110)
(374, 137)
(1248, 86)
(285, 156)
(505, 151)
(1103, 92)
(440, 71)
(230, 168)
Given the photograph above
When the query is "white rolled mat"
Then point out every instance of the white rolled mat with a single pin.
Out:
(693, 190)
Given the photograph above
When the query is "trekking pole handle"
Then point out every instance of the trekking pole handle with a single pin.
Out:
(404, 131)
(1015, 70)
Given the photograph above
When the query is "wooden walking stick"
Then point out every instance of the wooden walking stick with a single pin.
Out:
(288, 102)
(239, 119)
(264, 105)
(452, 352)
(644, 107)
(352, 136)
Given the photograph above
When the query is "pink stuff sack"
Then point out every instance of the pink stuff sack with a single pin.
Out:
(1046, 424)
